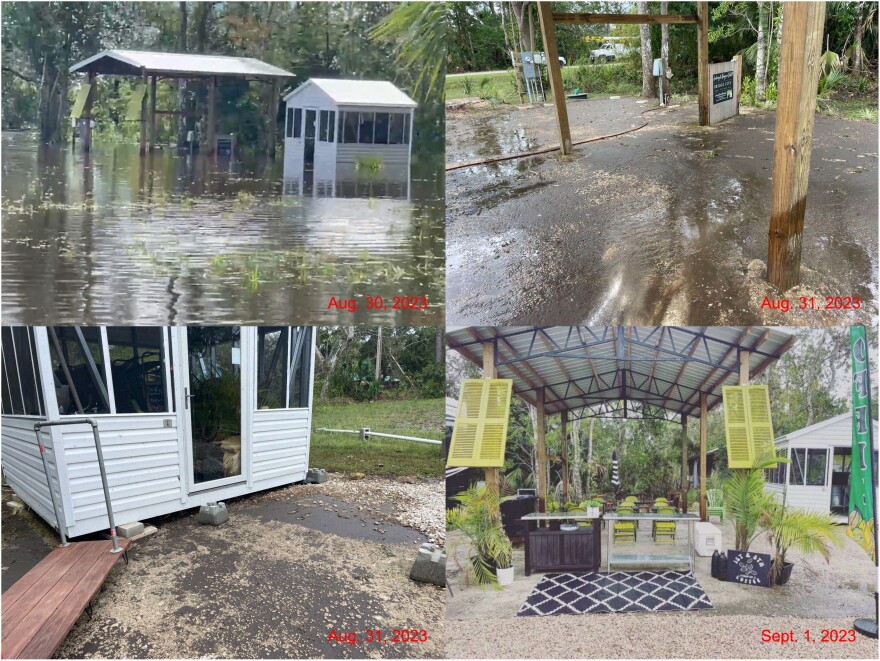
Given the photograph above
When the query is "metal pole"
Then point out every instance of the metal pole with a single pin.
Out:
(58, 520)
(88, 421)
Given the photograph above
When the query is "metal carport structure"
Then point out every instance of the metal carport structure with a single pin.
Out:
(174, 66)
(661, 372)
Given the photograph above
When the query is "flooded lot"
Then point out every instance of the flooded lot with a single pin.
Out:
(170, 238)
(664, 225)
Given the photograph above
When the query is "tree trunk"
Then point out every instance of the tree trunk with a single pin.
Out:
(577, 461)
(438, 347)
(858, 51)
(761, 58)
(648, 84)
(664, 48)
(378, 374)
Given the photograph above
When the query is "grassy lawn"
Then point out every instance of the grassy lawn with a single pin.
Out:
(346, 453)
(599, 80)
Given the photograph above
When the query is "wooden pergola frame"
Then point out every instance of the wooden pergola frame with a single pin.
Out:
(799, 60)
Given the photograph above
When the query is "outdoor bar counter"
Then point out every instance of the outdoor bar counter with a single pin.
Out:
(653, 559)
(562, 550)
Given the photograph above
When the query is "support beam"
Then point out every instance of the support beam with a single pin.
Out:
(212, 114)
(541, 477)
(86, 117)
(799, 68)
(704, 416)
(143, 122)
(703, 61)
(153, 133)
(551, 54)
(273, 117)
(623, 19)
(744, 364)
(491, 475)
(684, 463)
(565, 474)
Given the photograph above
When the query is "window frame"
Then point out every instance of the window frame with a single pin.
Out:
(290, 373)
(11, 352)
(166, 356)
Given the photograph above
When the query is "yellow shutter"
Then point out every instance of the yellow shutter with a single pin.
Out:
(747, 424)
(134, 105)
(480, 433)
(736, 427)
(79, 103)
(760, 425)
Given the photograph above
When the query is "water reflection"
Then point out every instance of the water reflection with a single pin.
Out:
(113, 237)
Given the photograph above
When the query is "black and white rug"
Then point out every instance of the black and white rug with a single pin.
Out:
(617, 592)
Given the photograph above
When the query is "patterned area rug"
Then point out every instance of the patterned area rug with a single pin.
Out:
(617, 592)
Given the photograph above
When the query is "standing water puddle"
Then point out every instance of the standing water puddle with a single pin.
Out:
(113, 237)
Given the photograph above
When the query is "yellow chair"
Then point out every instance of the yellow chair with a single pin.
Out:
(625, 531)
(664, 529)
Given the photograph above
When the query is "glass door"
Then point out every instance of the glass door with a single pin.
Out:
(212, 401)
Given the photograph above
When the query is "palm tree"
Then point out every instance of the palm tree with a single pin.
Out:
(418, 32)
(808, 532)
(477, 516)
(745, 500)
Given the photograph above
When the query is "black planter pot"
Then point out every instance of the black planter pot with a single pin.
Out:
(785, 574)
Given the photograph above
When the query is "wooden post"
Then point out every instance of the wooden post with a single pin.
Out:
(541, 477)
(211, 129)
(799, 68)
(551, 54)
(744, 364)
(565, 475)
(703, 61)
(153, 133)
(518, 75)
(684, 463)
(492, 476)
(86, 117)
(704, 415)
(273, 115)
(143, 132)
(739, 80)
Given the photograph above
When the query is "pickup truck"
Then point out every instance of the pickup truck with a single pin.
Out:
(608, 52)
(540, 58)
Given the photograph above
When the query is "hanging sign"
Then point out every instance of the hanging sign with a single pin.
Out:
(748, 568)
(861, 527)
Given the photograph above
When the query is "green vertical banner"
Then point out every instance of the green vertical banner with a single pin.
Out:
(861, 480)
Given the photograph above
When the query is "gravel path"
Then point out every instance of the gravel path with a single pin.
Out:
(677, 635)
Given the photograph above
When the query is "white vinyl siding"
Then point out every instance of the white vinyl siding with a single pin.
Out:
(24, 468)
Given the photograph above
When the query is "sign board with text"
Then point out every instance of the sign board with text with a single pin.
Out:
(724, 93)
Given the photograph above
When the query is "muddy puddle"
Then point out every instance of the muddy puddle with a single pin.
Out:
(664, 225)
(113, 237)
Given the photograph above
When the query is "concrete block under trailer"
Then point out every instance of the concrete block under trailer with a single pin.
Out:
(156, 416)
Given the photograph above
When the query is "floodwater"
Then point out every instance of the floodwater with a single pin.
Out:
(115, 238)
(665, 225)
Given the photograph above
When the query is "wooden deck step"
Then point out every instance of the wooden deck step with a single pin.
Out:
(40, 609)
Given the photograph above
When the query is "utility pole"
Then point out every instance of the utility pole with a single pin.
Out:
(379, 355)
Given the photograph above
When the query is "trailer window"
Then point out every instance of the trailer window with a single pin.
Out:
(328, 126)
(350, 127)
(382, 122)
(272, 345)
(22, 393)
(367, 125)
(397, 134)
(817, 460)
(300, 367)
(137, 369)
(798, 464)
(78, 369)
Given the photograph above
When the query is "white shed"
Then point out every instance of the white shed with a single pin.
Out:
(817, 477)
(335, 127)
(186, 416)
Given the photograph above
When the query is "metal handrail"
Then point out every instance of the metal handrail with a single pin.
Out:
(82, 421)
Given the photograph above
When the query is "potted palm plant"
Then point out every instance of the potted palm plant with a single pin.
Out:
(592, 506)
(478, 516)
(808, 532)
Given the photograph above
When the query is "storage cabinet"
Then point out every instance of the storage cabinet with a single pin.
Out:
(560, 550)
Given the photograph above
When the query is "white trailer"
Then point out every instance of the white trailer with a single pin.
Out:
(186, 416)
(817, 477)
(333, 128)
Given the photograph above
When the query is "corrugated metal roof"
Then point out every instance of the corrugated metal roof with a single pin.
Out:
(360, 92)
(591, 366)
(180, 63)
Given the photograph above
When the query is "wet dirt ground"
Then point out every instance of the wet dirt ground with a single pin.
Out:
(664, 225)
(483, 623)
(112, 237)
(290, 566)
